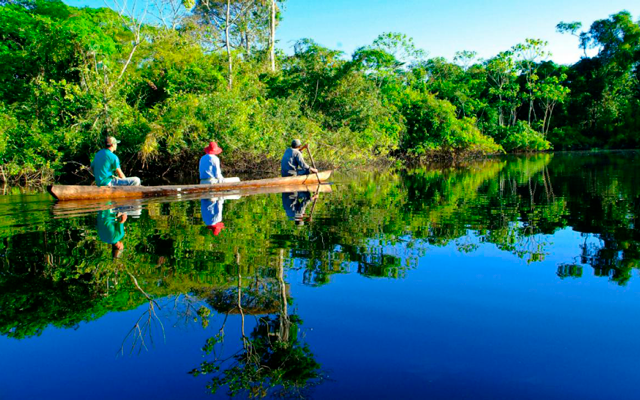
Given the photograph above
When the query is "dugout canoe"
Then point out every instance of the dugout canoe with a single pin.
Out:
(71, 208)
(77, 192)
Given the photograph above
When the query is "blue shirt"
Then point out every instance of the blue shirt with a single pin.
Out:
(210, 167)
(293, 164)
(104, 165)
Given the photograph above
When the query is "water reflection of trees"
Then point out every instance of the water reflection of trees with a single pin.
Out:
(603, 203)
(57, 272)
(516, 205)
(273, 356)
(499, 202)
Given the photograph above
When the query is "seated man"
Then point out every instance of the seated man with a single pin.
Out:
(292, 163)
(105, 164)
(210, 171)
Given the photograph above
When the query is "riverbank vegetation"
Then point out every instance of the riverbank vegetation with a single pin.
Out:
(169, 76)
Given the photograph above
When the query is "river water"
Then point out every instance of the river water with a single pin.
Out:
(509, 278)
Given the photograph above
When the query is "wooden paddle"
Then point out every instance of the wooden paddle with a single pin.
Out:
(313, 163)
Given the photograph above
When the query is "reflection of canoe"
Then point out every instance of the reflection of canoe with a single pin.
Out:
(70, 192)
(82, 207)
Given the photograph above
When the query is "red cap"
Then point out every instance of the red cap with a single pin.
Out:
(213, 148)
(216, 228)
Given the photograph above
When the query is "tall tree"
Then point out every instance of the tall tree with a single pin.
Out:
(605, 95)
(272, 36)
(572, 28)
(170, 13)
(549, 93)
(465, 58)
(501, 73)
(223, 17)
(528, 54)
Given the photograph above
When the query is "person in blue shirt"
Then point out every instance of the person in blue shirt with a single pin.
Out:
(293, 163)
(210, 171)
(106, 167)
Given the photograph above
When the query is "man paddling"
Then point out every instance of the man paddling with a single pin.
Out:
(105, 164)
(292, 163)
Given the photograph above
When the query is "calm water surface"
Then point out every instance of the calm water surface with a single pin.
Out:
(510, 278)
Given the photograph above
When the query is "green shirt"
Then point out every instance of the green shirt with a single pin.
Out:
(104, 165)
(109, 229)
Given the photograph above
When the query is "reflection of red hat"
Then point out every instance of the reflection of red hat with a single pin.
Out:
(213, 148)
(216, 228)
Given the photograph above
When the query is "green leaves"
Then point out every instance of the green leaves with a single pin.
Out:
(432, 125)
(63, 82)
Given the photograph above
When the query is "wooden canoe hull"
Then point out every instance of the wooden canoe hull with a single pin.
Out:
(76, 192)
(70, 208)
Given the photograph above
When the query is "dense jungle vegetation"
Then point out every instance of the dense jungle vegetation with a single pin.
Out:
(169, 76)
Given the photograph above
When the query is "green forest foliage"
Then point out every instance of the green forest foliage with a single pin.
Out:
(166, 86)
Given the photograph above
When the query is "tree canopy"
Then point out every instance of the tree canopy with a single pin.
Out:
(191, 72)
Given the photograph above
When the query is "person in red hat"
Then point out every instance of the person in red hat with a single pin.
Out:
(210, 171)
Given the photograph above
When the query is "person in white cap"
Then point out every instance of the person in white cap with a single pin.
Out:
(106, 164)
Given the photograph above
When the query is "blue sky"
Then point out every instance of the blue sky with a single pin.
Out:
(441, 27)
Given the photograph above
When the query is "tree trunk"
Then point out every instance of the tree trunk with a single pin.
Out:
(228, 44)
(272, 37)
(549, 121)
(544, 119)
(501, 115)
(126, 64)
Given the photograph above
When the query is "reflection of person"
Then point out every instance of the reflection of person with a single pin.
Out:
(105, 164)
(211, 210)
(294, 205)
(111, 230)
(292, 163)
(210, 171)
